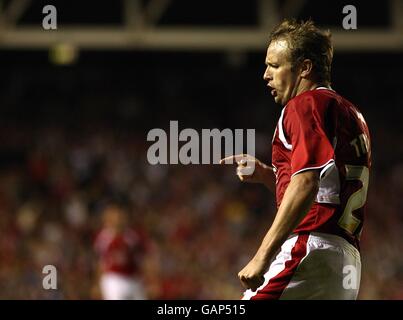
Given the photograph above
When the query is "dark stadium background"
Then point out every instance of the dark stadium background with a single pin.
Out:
(73, 136)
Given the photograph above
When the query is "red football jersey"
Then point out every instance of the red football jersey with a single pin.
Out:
(321, 130)
(120, 252)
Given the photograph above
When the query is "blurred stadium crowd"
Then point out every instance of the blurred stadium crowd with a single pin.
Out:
(75, 137)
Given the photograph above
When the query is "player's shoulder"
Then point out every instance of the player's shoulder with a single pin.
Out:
(103, 237)
(314, 98)
(313, 101)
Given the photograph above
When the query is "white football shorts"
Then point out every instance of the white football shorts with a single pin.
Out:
(315, 266)
(115, 286)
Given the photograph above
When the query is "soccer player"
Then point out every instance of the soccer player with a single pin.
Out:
(121, 250)
(320, 172)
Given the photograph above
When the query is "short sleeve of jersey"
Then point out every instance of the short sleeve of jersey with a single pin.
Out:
(305, 126)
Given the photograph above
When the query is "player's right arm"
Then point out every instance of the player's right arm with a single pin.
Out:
(250, 169)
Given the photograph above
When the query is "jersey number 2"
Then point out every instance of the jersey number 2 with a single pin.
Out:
(357, 200)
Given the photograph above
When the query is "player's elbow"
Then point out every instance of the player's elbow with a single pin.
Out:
(307, 182)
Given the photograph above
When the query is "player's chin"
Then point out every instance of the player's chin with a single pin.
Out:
(277, 99)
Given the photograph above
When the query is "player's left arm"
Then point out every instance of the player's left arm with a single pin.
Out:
(296, 203)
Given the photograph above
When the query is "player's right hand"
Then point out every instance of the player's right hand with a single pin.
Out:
(249, 169)
(252, 275)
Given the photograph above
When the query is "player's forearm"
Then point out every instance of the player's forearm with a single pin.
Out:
(296, 202)
(269, 179)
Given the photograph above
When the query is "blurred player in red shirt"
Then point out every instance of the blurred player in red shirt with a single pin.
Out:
(121, 250)
(320, 173)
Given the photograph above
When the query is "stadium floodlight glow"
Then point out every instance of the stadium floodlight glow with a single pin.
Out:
(63, 54)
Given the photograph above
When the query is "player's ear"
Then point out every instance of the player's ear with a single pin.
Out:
(306, 68)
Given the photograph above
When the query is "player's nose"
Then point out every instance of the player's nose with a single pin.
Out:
(267, 75)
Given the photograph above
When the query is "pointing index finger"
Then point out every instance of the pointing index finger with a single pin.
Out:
(230, 159)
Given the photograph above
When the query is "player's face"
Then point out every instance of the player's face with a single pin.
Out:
(280, 77)
(115, 217)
